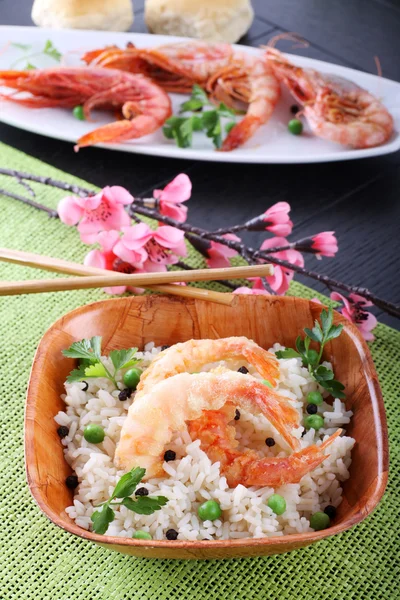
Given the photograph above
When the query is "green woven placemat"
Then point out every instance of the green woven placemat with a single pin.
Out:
(38, 561)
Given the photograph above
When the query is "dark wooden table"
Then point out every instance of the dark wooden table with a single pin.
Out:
(360, 199)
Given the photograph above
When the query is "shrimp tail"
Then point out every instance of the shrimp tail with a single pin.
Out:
(240, 133)
(118, 131)
(275, 472)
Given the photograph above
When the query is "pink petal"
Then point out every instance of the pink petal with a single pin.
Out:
(91, 202)
(169, 237)
(217, 260)
(174, 211)
(274, 242)
(178, 190)
(132, 257)
(115, 290)
(137, 236)
(336, 297)
(153, 267)
(117, 195)
(359, 299)
(108, 239)
(69, 210)
(95, 258)
(281, 229)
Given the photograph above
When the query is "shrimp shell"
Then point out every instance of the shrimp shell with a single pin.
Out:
(154, 417)
(194, 354)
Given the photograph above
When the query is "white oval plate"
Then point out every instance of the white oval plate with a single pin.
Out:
(271, 144)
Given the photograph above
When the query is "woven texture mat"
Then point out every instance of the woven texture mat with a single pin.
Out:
(38, 561)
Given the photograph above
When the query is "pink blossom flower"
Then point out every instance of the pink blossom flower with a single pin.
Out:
(276, 219)
(171, 197)
(257, 290)
(354, 311)
(219, 254)
(150, 250)
(107, 259)
(282, 277)
(131, 247)
(102, 212)
(324, 244)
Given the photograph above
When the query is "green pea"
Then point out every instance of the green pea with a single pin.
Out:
(315, 398)
(94, 433)
(295, 126)
(209, 511)
(267, 383)
(277, 503)
(132, 378)
(313, 357)
(319, 520)
(313, 422)
(78, 113)
(142, 535)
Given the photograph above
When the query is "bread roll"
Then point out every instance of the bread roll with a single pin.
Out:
(113, 15)
(210, 20)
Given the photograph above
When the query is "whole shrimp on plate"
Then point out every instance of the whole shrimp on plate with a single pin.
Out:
(192, 355)
(250, 82)
(336, 109)
(218, 441)
(176, 67)
(170, 404)
(143, 106)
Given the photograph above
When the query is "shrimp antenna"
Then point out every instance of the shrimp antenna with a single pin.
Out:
(289, 36)
(378, 66)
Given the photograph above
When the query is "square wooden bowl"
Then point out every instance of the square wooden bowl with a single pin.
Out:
(135, 321)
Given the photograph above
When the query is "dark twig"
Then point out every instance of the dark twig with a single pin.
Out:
(52, 213)
(140, 206)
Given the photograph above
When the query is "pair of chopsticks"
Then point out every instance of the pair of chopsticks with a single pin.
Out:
(92, 277)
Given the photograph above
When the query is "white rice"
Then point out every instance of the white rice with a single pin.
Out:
(192, 478)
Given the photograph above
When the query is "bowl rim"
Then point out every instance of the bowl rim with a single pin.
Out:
(378, 485)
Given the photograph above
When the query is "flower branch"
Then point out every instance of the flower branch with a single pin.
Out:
(105, 219)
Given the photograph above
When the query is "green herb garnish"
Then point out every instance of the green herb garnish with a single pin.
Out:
(48, 50)
(143, 505)
(89, 352)
(321, 334)
(181, 128)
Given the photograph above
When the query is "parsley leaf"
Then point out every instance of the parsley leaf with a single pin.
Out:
(102, 518)
(29, 67)
(89, 349)
(122, 359)
(128, 483)
(321, 334)
(51, 50)
(25, 47)
(142, 505)
(180, 128)
(145, 505)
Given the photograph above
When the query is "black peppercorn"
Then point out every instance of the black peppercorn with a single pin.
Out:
(124, 394)
(165, 347)
(171, 534)
(142, 492)
(270, 442)
(85, 387)
(294, 109)
(243, 370)
(304, 433)
(169, 455)
(237, 415)
(312, 409)
(71, 482)
(62, 431)
(330, 511)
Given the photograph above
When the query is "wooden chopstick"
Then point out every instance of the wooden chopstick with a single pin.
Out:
(110, 278)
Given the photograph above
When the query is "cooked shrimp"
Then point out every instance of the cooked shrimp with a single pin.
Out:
(194, 354)
(250, 80)
(336, 109)
(154, 416)
(144, 106)
(175, 67)
(218, 442)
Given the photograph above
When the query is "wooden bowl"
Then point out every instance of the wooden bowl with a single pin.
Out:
(135, 321)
